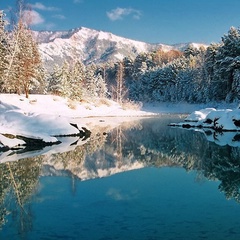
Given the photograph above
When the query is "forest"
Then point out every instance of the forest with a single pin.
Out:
(195, 75)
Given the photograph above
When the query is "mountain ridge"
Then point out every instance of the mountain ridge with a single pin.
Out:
(94, 46)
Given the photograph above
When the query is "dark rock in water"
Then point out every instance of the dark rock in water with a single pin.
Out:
(87, 133)
(236, 138)
(186, 120)
(208, 121)
(236, 122)
(208, 133)
(84, 133)
(186, 126)
(173, 125)
(215, 121)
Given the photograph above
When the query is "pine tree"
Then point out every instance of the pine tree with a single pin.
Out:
(77, 80)
(54, 85)
(226, 64)
(91, 84)
(27, 60)
(4, 51)
(65, 82)
(59, 81)
(23, 68)
(101, 86)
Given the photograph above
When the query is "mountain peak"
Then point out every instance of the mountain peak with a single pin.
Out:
(92, 46)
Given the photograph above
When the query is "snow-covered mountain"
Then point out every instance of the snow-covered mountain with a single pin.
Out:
(92, 46)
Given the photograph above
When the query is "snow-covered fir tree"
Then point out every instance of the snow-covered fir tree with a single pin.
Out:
(91, 82)
(227, 63)
(101, 86)
(59, 82)
(77, 80)
(54, 81)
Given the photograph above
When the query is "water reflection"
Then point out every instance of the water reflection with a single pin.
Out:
(139, 144)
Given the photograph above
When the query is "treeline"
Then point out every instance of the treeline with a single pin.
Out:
(194, 75)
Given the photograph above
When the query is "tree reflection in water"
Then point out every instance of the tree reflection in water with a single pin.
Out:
(18, 183)
(142, 143)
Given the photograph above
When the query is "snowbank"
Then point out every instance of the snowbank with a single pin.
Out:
(199, 115)
(220, 126)
(45, 117)
(219, 120)
(40, 126)
(59, 106)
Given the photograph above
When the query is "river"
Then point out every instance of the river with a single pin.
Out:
(139, 180)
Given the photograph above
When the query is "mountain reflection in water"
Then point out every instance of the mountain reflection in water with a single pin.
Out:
(133, 145)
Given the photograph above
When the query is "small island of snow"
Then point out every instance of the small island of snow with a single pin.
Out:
(218, 120)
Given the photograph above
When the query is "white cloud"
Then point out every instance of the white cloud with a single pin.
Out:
(119, 13)
(32, 17)
(59, 16)
(41, 6)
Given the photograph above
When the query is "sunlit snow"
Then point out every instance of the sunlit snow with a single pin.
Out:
(45, 116)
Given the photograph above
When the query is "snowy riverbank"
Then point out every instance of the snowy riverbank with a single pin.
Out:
(221, 126)
(45, 117)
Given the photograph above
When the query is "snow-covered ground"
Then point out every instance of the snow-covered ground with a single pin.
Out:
(45, 117)
(221, 126)
(217, 119)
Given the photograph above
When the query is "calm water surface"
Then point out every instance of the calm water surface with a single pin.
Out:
(142, 180)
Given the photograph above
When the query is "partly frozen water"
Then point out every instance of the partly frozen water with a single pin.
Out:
(139, 181)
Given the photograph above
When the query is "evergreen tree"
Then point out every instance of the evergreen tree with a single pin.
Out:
(65, 80)
(4, 51)
(27, 60)
(227, 63)
(77, 80)
(91, 83)
(54, 85)
(101, 86)
(59, 81)
(21, 68)
(210, 61)
(128, 68)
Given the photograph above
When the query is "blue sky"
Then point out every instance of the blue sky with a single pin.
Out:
(153, 21)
